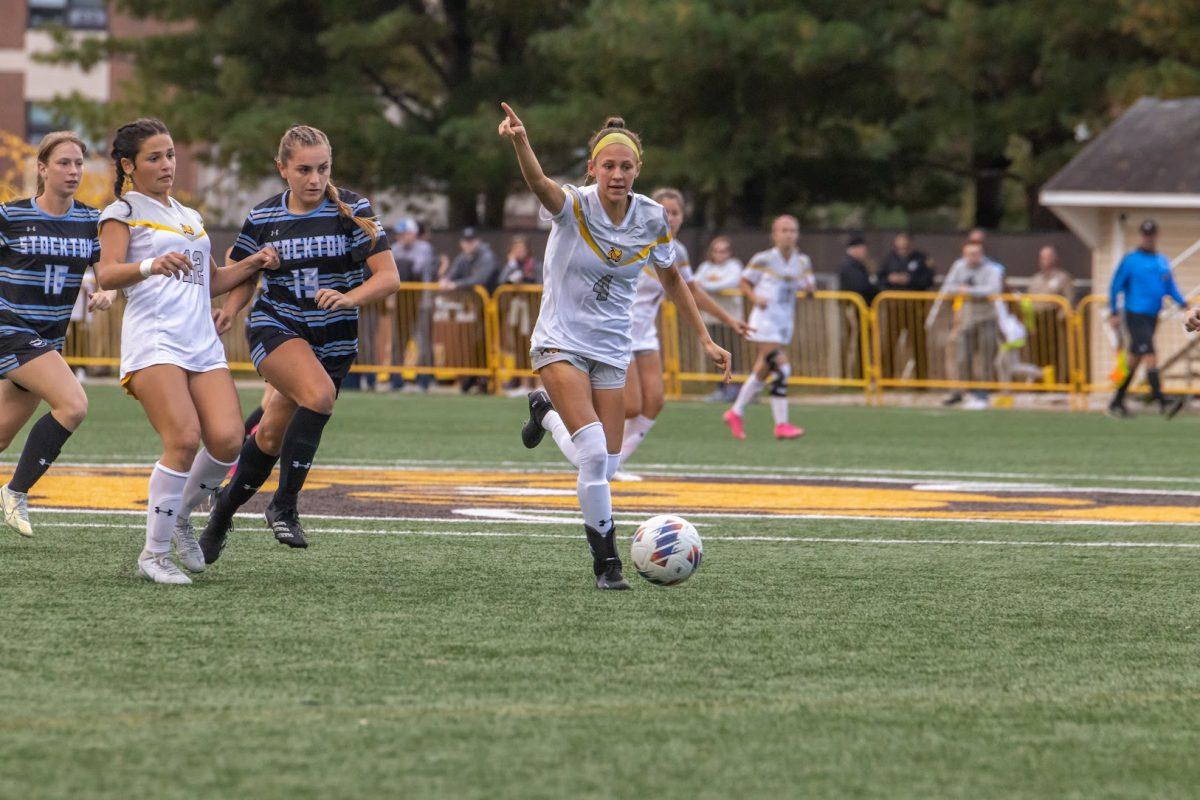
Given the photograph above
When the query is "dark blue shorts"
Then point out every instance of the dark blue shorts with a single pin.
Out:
(1141, 333)
(264, 339)
(17, 349)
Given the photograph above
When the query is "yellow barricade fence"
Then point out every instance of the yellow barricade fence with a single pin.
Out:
(923, 340)
(1103, 363)
(830, 344)
(904, 340)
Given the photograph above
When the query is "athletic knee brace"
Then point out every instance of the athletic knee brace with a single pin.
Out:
(780, 381)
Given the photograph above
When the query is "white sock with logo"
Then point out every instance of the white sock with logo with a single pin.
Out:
(166, 495)
(595, 496)
(562, 437)
(635, 433)
(203, 479)
(779, 409)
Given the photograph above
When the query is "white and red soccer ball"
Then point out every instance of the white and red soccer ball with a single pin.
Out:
(666, 550)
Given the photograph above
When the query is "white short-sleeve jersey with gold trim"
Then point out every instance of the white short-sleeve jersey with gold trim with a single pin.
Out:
(649, 297)
(777, 280)
(166, 320)
(591, 274)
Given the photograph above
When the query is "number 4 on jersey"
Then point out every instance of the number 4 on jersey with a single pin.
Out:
(602, 288)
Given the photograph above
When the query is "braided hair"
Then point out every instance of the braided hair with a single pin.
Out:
(308, 136)
(127, 142)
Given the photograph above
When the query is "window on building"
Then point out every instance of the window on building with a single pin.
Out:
(87, 15)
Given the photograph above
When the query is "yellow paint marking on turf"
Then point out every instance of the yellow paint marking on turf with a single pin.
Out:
(124, 488)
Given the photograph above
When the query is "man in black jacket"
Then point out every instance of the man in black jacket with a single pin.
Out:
(855, 276)
(904, 268)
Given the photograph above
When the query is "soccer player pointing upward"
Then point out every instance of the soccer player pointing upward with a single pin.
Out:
(602, 236)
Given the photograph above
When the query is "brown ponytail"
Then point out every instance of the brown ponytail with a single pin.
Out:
(308, 136)
(611, 125)
(127, 142)
(46, 149)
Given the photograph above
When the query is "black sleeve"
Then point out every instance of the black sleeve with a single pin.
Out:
(922, 276)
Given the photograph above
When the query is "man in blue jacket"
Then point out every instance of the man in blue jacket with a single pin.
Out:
(1144, 278)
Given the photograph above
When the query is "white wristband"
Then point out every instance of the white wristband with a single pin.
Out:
(145, 267)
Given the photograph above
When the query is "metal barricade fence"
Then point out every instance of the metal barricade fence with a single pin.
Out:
(514, 312)
(1102, 365)
(830, 344)
(923, 340)
(905, 340)
(423, 330)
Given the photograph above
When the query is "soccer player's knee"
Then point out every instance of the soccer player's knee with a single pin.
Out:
(227, 444)
(593, 453)
(320, 399)
(652, 406)
(182, 443)
(72, 412)
(780, 382)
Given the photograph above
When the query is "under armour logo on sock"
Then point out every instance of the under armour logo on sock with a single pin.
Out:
(170, 512)
(298, 465)
(206, 487)
(43, 462)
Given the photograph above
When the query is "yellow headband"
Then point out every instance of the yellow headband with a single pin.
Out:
(616, 137)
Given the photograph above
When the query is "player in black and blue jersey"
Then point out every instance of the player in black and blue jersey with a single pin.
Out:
(303, 328)
(47, 242)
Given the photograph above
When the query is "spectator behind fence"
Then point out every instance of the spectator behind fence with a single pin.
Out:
(972, 281)
(523, 269)
(418, 264)
(978, 237)
(854, 274)
(475, 265)
(1051, 279)
(905, 269)
(719, 272)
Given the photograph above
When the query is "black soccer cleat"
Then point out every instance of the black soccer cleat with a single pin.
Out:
(1118, 411)
(532, 431)
(216, 531)
(285, 526)
(606, 564)
(1173, 406)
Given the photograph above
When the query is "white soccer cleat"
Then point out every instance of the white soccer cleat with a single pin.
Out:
(161, 569)
(621, 476)
(187, 549)
(16, 510)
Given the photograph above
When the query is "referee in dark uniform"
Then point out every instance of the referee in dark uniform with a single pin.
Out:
(1144, 278)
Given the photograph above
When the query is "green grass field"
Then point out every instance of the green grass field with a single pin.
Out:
(470, 659)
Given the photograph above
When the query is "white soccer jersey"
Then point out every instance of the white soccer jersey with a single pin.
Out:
(649, 297)
(591, 274)
(167, 321)
(777, 279)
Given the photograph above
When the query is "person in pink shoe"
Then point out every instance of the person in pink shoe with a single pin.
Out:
(771, 281)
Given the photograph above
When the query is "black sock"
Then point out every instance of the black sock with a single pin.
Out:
(253, 469)
(1119, 398)
(300, 443)
(252, 421)
(46, 439)
(1155, 386)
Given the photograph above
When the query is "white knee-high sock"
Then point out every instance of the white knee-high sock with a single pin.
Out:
(635, 432)
(595, 498)
(779, 409)
(562, 437)
(166, 494)
(749, 390)
(612, 464)
(203, 479)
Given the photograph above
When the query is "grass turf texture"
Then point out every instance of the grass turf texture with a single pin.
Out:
(464, 666)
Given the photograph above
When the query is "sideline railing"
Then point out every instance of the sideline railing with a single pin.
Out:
(902, 341)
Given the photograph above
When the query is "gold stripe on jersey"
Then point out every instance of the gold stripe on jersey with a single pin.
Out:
(158, 226)
(586, 233)
(768, 270)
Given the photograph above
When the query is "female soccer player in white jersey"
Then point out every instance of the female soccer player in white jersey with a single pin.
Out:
(46, 243)
(156, 250)
(644, 383)
(770, 281)
(603, 235)
(303, 328)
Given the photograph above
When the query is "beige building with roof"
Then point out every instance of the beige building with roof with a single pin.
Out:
(1144, 166)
